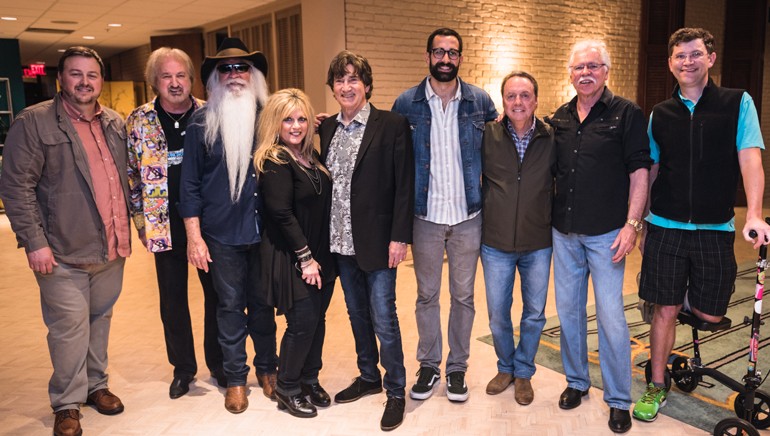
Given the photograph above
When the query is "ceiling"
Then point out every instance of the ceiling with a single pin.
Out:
(68, 21)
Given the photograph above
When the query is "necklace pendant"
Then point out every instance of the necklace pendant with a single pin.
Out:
(176, 124)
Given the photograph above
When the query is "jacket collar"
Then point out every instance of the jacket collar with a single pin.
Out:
(710, 85)
(151, 105)
(465, 91)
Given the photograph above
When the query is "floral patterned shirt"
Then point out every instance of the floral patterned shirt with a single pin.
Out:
(148, 161)
(341, 162)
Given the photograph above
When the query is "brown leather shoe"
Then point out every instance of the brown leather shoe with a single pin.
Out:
(499, 383)
(524, 393)
(267, 383)
(105, 401)
(67, 423)
(235, 399)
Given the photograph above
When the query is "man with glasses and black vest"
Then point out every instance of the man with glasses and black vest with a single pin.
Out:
(703, 140)
(602, 164)
(447, 118)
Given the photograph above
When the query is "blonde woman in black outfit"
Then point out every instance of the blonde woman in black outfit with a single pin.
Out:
(297, 269)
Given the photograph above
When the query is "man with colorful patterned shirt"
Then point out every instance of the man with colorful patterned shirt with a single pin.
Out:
(155, 151)
(703, 140)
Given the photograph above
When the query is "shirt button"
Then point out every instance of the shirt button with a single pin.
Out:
(255, 194)
(572, 170)
(569, 208)
(575, 151)
(253, 175)
(570, 189)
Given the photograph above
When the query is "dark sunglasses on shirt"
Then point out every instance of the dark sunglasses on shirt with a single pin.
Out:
(228, 68)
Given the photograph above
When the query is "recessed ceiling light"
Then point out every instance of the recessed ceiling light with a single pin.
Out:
(8, 18)
(61, 50)
(89, 37)
(114, 25)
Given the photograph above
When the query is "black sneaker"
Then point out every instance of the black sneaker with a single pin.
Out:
(427, 379)
(394, 413)
(358, 389)
(456, 390)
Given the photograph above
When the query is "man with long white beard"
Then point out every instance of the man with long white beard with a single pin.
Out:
(219, 205)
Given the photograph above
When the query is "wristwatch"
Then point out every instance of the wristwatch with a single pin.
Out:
(636, 224)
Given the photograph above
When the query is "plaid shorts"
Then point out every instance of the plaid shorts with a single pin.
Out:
(701, 260)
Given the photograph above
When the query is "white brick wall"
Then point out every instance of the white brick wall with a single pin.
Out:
(498, 36)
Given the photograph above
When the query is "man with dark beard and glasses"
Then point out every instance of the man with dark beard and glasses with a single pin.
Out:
(218, 201)
(447, 118)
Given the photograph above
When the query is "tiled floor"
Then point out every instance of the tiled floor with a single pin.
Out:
(140, 373)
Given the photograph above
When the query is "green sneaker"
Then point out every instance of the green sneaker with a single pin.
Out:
(647, 407)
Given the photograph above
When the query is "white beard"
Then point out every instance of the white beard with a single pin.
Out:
(232, 114)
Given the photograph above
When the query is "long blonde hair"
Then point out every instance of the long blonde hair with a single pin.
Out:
(279, 106)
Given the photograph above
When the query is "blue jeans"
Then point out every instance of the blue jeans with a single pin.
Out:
(370, 297)
(499, 272)
(235, 272)
(574, 258)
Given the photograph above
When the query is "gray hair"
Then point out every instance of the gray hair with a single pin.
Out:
(590, 44)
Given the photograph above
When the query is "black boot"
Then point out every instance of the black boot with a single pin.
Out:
(316, 394)
(296, 405)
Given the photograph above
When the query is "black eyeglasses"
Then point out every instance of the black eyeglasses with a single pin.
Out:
(228, 68)
(438, 53)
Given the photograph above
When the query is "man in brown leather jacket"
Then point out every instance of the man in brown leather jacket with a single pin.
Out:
(65, 191)
(518, 159)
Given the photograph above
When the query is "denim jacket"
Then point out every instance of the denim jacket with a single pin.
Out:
(476, 108)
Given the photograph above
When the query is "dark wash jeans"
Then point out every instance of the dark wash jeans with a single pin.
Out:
(302, 343)
(171, 269)
(371, 301)
(235, 272)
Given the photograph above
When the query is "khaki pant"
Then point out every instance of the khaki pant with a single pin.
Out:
(77, 305)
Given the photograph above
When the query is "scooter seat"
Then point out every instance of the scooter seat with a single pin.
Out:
(690, 319)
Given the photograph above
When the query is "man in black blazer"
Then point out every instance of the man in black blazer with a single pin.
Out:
(369, 155)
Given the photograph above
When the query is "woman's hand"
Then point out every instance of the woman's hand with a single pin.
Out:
(311, 273)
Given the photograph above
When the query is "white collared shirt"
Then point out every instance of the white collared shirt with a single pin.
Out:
(446, 187)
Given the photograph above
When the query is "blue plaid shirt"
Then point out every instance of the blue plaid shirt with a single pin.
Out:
(523, 142)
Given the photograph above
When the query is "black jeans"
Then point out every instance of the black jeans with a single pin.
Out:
(235, 272)
(171, 268)
(303, 341)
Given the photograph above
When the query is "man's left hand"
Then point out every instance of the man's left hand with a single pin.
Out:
(759, 226)
(396, 253)
(624, 243)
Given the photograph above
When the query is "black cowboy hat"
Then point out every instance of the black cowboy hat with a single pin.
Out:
(229, 49)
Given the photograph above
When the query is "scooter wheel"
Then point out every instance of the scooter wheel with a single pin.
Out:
(734, 427)
(760, 416)
(686, 381)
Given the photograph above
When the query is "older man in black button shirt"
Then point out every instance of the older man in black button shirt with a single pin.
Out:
(603, 161)
(218, 201)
